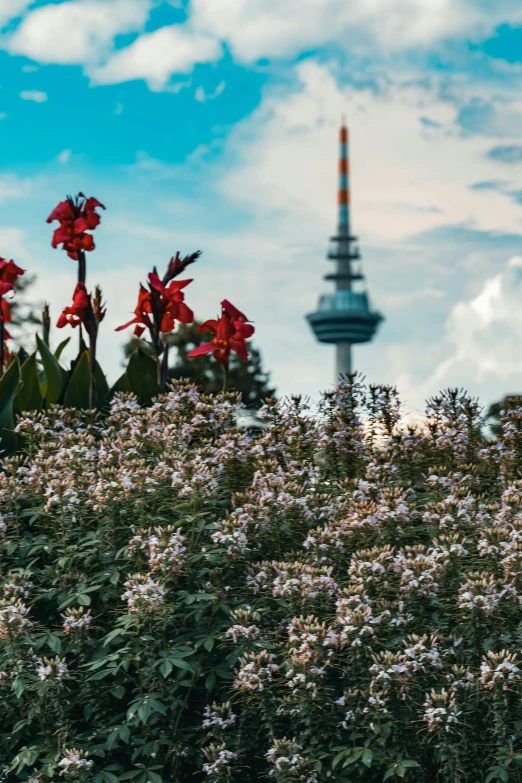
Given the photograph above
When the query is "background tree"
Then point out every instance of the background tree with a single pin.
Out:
(509, 402)
(25, 313)
(249, 378)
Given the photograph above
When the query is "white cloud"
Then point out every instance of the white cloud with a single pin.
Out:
(201, 96)
(34, 95)
(13, 242)
(81, 31)
(64, 156)
(12, 187)
(282, 28)
(482, 341)
(403, 180)
(156, 56)
(12, 9)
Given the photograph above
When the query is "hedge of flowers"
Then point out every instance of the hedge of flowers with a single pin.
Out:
(335, 598)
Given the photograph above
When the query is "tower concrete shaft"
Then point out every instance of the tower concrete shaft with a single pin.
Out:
(343, 350)
(343, 359)
(344, 317)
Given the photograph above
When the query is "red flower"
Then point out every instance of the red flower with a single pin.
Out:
(9, 272)
(5, 316)
(170, 306)
(172, 302)
(76, 217)
(79, 311)
(230, 333)
(141, 313)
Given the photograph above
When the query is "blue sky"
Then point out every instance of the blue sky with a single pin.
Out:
(213, 124)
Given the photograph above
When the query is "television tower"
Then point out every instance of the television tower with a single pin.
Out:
(345, 316)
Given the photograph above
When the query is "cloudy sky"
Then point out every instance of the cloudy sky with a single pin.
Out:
(213, 124)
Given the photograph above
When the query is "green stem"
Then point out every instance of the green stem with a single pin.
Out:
(164, 370)
(225, 379)
(92, 364)
(2, 343)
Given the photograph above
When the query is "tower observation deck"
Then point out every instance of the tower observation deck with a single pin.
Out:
(344, 317)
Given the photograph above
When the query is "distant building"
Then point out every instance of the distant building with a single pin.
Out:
(344, 317)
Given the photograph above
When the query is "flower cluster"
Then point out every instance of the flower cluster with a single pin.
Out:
(143, 593)
(73, 761)
(77, 218)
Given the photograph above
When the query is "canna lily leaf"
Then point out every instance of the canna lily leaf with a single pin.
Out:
(77, 392)
(102, 387)
(55, 375)
(8, 388)
(142, 374)
(22, 355)
(60, 348)
(29, 397)
(121, 385)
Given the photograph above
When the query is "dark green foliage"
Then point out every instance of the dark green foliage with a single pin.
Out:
(493, 413)
(248, 378)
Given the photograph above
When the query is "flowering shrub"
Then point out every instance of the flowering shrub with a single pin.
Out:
(337, 598)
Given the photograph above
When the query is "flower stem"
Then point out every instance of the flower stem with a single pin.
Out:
(91, 327)
(164, 373)
(225, 379)
(92, 367)
(82, 270)
(46, 324)
(2, 343)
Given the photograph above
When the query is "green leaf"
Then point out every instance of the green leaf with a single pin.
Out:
(55, 375)
(19, 686)
(165, 668)
(354, 756)
(60, 348)
(129, 775)
(210, 681)
(25, 758)
(181, 664)
(102, 387)
(498, 773)
(125, 734)
(340, 756)
(142, 375)
(77, 392)
(367, 757)
(54, 642)
(29, 397)
(8, 388)
(209, 644)
(104, 777)
(112, 635)
(144, 711)
(22, 355)
(121, 385)
(83, 599)
(101, 675)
